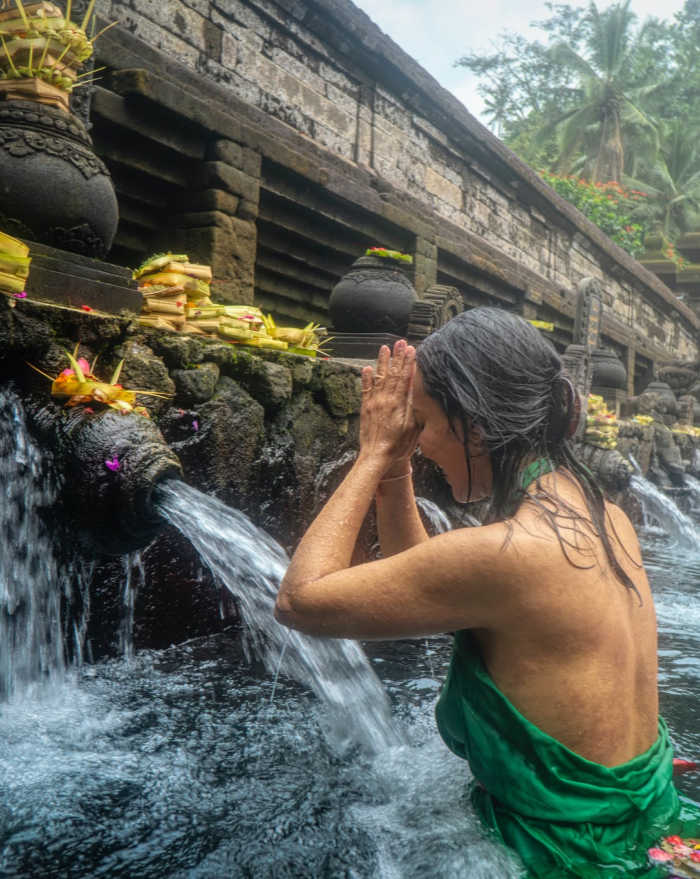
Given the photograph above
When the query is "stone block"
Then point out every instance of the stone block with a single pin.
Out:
(426, 248)
(219, 175)
(443, 188)
(177, 351)
(210, 200)
(230, 251)
(302, 372)
(224, 450)
(194, 386)
(342, 393)
(246, 160)
(271, 384)
(144, 369)
(201, 219)
(213, 40)
(248, 210)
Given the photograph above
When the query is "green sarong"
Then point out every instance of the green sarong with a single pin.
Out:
(564, 815)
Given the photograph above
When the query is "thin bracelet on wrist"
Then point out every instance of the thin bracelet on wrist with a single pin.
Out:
(397, 478)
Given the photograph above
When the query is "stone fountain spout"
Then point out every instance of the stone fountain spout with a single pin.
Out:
(109, 465)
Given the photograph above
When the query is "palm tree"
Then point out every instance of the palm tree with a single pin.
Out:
(610, 106)
(671, 181)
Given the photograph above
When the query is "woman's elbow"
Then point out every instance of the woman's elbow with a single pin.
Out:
(284, 614)
(289, 613)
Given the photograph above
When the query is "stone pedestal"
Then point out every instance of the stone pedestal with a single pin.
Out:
(359, 346)
(69, 279)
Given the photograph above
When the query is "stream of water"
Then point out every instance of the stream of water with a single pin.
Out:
(272, 756)
(663, 515)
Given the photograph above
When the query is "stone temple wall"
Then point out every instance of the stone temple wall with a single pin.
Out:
(358, 145)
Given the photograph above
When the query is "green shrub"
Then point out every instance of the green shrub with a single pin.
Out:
(608, 205)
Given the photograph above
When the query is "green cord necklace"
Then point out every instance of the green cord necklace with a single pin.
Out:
(534, 470)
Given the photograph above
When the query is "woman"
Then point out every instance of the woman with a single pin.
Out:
(552, 693)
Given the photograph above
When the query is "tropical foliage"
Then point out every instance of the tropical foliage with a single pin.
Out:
(608, 205)
(603, 98)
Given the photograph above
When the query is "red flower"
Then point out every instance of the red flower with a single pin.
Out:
(86, 308)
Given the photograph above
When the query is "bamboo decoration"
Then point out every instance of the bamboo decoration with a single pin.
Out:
(42, 50)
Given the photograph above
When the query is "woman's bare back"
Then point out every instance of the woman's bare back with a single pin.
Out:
(580, 663)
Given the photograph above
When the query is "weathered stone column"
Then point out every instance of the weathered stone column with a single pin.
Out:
(631, 365)
(424, 265)
(219, 227)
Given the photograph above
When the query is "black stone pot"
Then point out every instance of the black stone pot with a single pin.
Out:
(53, 188)
(375, 296)
(608, 370)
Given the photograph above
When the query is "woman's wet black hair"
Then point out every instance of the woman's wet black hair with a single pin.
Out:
(491, 370)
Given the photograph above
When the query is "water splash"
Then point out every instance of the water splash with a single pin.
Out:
(251, 565)
(437, 519)
(134, 577)
(659, 507)
(633, 461)
(35, 588)
(694, 486)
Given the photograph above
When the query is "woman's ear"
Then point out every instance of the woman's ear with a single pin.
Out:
(477, 440)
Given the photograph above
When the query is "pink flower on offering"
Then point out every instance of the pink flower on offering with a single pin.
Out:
(113, 464)
(673, 840)
(695, 857)
(22, 295)
(86, 308)
(658, 854)
(195, 424)
(89, 409)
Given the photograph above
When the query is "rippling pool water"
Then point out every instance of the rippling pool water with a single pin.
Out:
(190, 763)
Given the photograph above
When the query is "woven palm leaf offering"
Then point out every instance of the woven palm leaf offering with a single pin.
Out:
(601, 425)
(681, 857)
(177, 298)
(78, 385)
(42, 50)
(14, 266)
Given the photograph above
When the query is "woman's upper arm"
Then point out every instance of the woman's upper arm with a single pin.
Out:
(462, 579)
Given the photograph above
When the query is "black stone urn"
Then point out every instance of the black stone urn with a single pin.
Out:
(608, 370)
(375, 296)
(53, 188)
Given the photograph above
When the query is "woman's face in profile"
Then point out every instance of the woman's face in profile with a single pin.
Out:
(445, 446)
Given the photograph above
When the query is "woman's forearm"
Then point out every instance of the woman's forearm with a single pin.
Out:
(398, 521)
(328, 544)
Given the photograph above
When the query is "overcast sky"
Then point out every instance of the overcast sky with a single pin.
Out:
(437, 32)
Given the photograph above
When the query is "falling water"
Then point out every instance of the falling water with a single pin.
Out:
(36, 589)
(251, 565)
(134, 577)
(658, 506)
(436, 517)
(694, 486)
